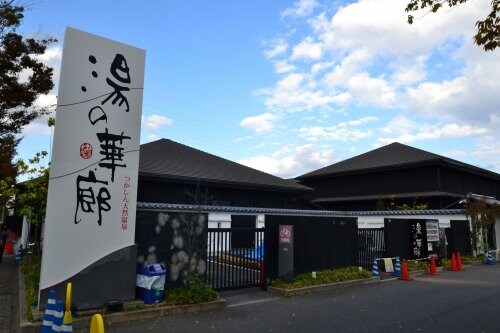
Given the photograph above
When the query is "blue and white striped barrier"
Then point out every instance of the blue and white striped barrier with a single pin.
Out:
(489, 258)
(397, 268)
(58, 317)
(48, 316)
(375, 271)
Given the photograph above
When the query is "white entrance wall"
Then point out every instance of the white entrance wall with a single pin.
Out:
(223, 221)
(219, 220)
(377, 221)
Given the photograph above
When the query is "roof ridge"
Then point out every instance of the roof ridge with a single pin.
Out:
(184, 162)
(391, 155)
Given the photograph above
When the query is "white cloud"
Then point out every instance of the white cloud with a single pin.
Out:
(359, 122)
(381, 25)
(342, 131)
(291, 161)
(471, 96)
(399, 125)
(299, 100)
(368, 90)
(291, 82)
(430, 96)
(349, 66)
(260, 123)
(366, 60)
(283, 67)
(44, 101)
(300, 8)
(333, 133)
(243, 138)
(52, 55)
(406, 131)
(410, 72)
(280, 47)
(52, 58)
(155, 122)
(488, 146)
(153, 137)
(321, 66)
(40, 126)
(307, 49)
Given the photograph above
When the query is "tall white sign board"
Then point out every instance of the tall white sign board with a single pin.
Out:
(95, 156)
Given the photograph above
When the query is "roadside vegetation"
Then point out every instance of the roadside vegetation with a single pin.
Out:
(323, 277)
(446, 262)
(414, 265)
(195, 291)
(30, 267)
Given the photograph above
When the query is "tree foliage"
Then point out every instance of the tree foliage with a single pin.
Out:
(31, 195)
(415, 205)
(482, 216)
(23, 78)
(488, 29)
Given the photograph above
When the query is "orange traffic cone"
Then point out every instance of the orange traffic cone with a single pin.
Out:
(405, 276)
(459, 262)
(9, 248)
(432, 268)
(453, 266)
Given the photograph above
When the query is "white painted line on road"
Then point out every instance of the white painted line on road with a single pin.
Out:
(253, 302)
(388, 279)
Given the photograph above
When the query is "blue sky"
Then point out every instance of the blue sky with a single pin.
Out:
(291, 86)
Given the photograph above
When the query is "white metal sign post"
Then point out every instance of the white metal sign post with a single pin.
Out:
(95, 155)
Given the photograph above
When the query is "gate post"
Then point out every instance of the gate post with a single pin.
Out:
(285, 258)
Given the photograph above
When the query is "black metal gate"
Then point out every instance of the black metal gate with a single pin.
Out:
(371, 245)
(397, 238)
(459, 238)
(235, 265)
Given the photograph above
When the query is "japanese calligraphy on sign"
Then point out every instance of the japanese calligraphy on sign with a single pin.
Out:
(418, 242)
(94, 168)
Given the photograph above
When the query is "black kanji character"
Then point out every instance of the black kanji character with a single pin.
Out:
(118, 66)
(86, 199)
(110, 151)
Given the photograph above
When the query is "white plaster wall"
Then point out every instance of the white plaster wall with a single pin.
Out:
(219, 220)
(365, 222)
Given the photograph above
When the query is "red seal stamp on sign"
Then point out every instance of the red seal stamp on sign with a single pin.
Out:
(86, 150)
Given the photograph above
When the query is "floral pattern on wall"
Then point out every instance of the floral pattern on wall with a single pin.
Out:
(176, 240)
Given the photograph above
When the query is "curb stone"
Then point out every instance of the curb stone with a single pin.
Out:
(147, 311)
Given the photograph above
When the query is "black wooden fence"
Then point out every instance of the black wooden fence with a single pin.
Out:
(319, 243)
(371, 245)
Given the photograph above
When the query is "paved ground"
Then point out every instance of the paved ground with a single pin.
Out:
(8, 295)
(456, 302)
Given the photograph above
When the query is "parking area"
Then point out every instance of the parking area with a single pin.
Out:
(465, 301)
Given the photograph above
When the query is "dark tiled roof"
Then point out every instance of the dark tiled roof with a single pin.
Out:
(388, 157)
(389, 196)
(171, 160)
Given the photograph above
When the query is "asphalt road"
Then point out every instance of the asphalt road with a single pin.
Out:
(467, 301)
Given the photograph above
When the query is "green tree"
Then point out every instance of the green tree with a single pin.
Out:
(29, 198)
(488, 29)
(31, 195)
(482, 216)
(23, 78)
(404, 206)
